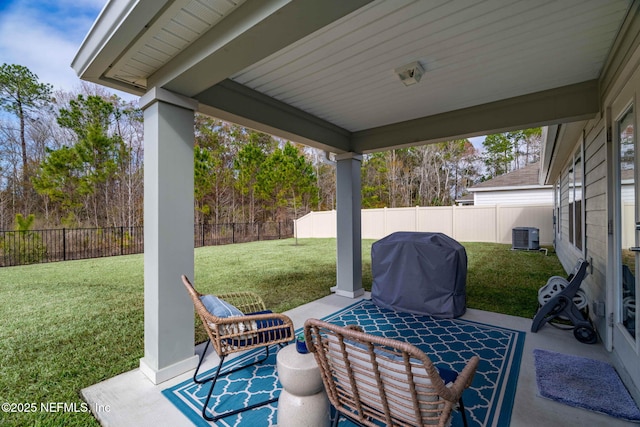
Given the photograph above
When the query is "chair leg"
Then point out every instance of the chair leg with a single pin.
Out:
(213, 380)
(336, 420)
(207, 379)
(463, 413)
(195, 374)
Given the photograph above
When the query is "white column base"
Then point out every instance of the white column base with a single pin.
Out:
(349, 294)
(172, 371)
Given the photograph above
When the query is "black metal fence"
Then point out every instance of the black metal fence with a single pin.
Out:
(39, 246)
(224, 234)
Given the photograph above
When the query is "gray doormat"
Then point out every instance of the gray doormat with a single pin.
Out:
(583, 383)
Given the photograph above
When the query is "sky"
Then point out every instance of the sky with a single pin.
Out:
(44, 36)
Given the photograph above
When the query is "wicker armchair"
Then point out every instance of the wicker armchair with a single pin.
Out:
(376, 381)
(257, 328)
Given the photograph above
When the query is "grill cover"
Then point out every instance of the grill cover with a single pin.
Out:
(421, 273)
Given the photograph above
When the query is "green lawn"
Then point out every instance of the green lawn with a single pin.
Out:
(69, 325)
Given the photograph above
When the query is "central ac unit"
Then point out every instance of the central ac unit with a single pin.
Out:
(527, 238)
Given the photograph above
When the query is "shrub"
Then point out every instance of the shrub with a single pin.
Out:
(23, 246)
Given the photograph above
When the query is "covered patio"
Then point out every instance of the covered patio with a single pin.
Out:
(349, 77)
(132, 400)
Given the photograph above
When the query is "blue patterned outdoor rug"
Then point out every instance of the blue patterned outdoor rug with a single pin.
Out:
(448, 342)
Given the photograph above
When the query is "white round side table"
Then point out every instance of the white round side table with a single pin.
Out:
(303, 401)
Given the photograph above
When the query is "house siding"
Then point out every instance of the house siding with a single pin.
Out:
(567, 253)
(595, 218)
(621, 85)
(542, 196)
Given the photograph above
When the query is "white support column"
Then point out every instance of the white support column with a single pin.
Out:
(168, 234)
(349, 229)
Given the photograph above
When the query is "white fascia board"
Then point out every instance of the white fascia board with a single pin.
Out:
(549, 134)
(118, 25)
(568, 135)
(514, 188)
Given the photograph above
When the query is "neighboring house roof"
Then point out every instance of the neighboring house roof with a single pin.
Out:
(526, 177)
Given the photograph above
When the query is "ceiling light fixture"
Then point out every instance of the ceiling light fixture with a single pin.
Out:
(410, 74)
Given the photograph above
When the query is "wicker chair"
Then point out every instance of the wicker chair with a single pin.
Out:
(259, 328)
(375, 381)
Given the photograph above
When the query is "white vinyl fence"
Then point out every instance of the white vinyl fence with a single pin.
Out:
(462, 223)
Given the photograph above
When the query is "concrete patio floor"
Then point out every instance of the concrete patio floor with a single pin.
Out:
(130, 399)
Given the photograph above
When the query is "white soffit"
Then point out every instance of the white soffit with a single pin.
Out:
(180, 25)
(474, 52)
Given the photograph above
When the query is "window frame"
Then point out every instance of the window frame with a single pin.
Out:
(576, 199)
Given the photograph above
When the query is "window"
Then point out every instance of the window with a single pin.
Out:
(626, 190)
(576, 179)
(571, 205)
(577, 203)
(556, 202)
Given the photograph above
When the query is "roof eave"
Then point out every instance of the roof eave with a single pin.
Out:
(549, 134)
(510, 188)
(118, 25)
(558, 144)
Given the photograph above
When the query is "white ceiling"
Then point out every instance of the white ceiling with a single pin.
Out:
(328, 64)
(474, 52)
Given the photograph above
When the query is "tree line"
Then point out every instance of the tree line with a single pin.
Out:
(75, 159)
